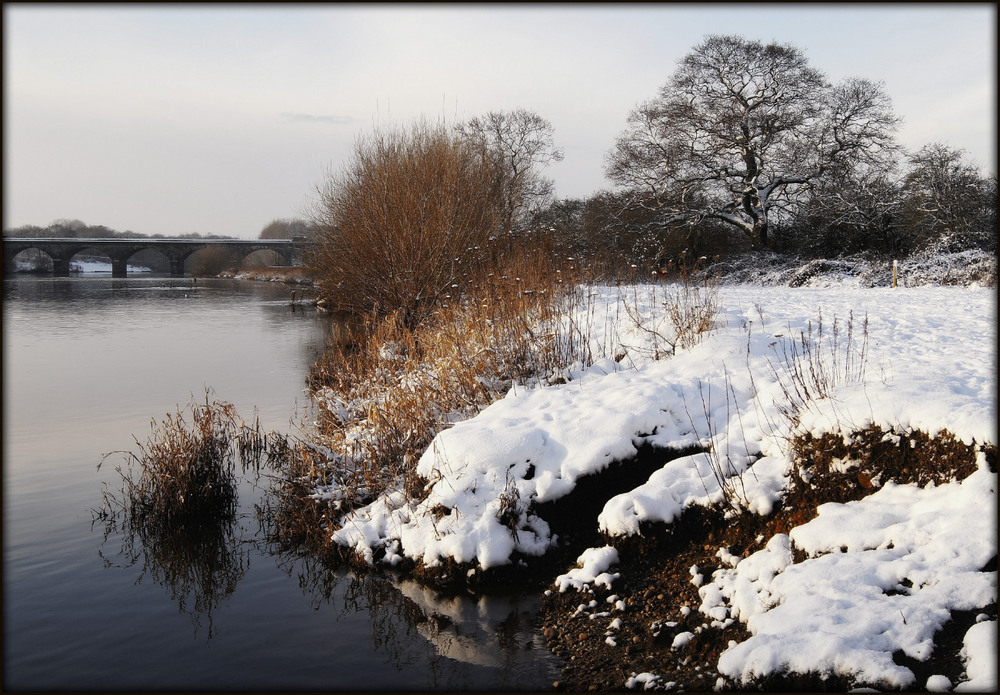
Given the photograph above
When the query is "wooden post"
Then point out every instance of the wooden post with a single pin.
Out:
(894, 265)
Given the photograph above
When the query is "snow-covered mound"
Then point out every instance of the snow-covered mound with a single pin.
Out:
(884, 574)
(900, 358)
(930, 366)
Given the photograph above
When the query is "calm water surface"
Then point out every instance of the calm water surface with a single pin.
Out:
(87, 364)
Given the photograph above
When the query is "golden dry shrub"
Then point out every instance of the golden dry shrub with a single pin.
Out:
(406, 222)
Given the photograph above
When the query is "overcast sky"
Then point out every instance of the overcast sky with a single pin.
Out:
(217, 119)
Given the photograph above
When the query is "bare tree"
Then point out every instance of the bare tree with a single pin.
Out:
(742, 130)
(946, 200)
(521, 142)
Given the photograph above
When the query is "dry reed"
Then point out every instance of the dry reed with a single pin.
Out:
(382, 399)
(186, 469)
(177, 507)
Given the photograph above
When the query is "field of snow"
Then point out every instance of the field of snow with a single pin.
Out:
(913, 358)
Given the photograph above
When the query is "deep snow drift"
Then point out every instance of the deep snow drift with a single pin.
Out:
(904, 359)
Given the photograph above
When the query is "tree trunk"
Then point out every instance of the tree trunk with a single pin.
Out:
(761, 229)
(756, 211)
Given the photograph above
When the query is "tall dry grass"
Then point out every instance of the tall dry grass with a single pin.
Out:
(383, 398)
(686, 311)
(810, 367)
(383, 394)
(187, 468)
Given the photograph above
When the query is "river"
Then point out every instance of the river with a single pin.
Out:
(88, 362)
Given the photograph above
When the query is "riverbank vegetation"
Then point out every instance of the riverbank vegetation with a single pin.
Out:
(176, 512)
(485, 423)
(420, 217)
(706, 456)
(186, 469)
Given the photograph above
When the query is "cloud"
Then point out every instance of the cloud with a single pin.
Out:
(312, 118)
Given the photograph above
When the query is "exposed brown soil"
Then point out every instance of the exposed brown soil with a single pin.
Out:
(661, 600)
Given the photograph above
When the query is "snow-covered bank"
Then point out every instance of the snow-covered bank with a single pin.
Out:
(882, 576)
(967, 268)
(291, 275)
(930, 366)
(902, 359)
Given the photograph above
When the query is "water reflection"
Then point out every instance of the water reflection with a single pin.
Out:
(198, 562)
(486, 631)
(413, 623)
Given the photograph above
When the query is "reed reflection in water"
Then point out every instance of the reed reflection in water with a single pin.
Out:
(198, 562)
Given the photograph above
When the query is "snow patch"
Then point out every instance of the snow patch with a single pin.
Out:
(594, 563)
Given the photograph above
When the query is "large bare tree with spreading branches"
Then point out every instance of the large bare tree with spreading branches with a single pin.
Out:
(741, 132)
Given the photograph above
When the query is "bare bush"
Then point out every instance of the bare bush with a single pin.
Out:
(407, 222)
(689, 309)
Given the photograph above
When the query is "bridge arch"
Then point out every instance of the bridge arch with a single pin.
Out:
(91, 251)
(264, 258)
(207, 261)
(153, 258)
(28, 260)
(59, 254)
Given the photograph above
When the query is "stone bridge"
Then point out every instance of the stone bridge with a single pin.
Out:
(61, 251)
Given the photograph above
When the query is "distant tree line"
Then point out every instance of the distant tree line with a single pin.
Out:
(934, 199)
(78, 229)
